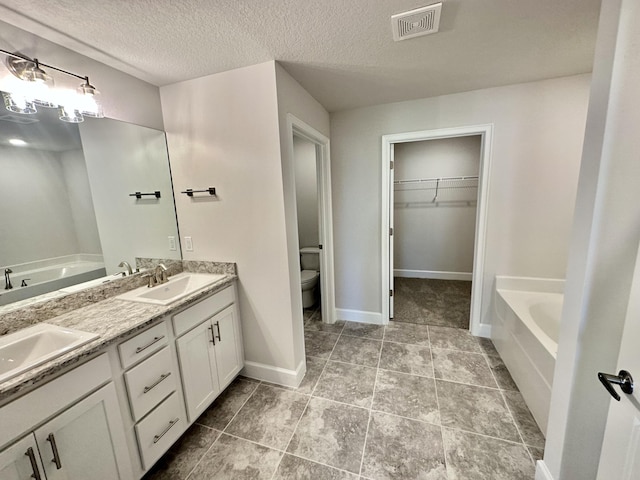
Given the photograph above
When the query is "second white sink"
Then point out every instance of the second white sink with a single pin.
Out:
(35, 345)
(177, 287)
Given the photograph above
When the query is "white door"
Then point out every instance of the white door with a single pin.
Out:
(21, 461)
(620, 456)
(226, 348)
(86, 441)
(391, 232)
(198, 368)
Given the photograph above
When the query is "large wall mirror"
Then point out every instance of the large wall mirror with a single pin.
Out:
(68, 210)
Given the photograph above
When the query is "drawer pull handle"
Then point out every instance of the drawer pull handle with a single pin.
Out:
(156, 383)
(157, 438)
(213, 335)
(155, 340)
(34, 464)
(54, 448)
(217, 324)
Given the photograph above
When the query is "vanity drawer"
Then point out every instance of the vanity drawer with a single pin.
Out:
(143, 345)
(196, 314)
(160, 429)
(150, 382)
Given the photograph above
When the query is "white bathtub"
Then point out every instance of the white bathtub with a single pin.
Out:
(525, 331)
(48, 275)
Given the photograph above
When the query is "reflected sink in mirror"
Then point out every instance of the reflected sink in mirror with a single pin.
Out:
(36, 345)
(178, 287)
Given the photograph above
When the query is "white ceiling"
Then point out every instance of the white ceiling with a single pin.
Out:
(341, 51)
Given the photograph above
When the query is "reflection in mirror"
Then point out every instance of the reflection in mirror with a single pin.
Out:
(66, 216)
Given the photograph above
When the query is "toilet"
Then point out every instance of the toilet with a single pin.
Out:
(310, 263)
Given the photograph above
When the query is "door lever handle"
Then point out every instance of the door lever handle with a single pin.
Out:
(624, 379)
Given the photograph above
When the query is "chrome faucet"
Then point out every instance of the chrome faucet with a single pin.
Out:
(161, 274)
(126, 265)
(7, 279)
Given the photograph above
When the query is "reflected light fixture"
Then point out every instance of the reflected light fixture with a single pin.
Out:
(36, 88)
(17, 142)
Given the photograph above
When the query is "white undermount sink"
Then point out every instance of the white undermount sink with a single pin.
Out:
(177, 287)
(36, 345)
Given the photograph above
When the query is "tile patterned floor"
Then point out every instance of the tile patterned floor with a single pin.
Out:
(404, 401)
(432, 302)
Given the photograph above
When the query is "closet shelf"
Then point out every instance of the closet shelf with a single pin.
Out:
(437, 183)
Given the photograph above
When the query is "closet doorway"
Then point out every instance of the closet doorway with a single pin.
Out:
(436, 184)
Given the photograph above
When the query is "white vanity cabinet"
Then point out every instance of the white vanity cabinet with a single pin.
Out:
(63, 438)
(209, 349)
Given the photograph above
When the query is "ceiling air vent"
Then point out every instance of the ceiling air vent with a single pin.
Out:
(18, 119)
(415, 23)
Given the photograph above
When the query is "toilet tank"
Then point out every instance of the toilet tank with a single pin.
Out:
(310, 258)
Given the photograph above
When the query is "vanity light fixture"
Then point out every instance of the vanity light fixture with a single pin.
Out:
(36, 87)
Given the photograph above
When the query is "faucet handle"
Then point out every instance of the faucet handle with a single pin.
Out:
(152, 282)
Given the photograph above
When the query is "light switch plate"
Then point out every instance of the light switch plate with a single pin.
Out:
(188, 244)
(172, 243)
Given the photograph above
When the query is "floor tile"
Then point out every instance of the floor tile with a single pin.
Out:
(527, 425)
(232, 458)
(487, 346)
(405, 358)
(503, 377)
(319, 344)
(296, 468)
(332, 434)
(453, 338)
(347, 383)
(356, 329)
(463, 367)
(474, 457)
(316, 324)
(398, 448)
(475, 409)
(223, 409)
(406, 395)
(536, 453)
(362, 351)
(269, 416)
(407, 333)
(178, 462)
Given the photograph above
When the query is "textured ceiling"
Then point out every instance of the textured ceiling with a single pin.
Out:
(341, 51)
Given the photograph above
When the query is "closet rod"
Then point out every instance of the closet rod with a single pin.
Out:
(435, 179)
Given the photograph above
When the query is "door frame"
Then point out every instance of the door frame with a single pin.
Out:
(297, 127)
(388, 141)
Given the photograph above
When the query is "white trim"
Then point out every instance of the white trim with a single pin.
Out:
(277, 375)
(297, 127)
(484, 330)
(542, 472)
(486, 132)
(359, 316)
(466, 276)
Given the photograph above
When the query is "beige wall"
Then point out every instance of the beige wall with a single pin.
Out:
(536, 154)
(222, 131)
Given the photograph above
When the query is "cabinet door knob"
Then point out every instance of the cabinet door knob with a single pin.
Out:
(34, 465)
(54, 448)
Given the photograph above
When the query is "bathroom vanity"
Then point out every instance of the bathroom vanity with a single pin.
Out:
(111, 408)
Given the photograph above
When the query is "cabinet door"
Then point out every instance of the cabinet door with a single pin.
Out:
(225, 327)
(86, 441)
(198, 368)
(21, 461)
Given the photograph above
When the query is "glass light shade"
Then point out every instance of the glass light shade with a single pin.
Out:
(37, 75)
(18, 104)
(70, 114)
(90, 100)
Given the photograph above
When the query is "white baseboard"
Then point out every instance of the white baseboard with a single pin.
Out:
(359, 316)
(432, 274)
(542, 472)
(277, 375)
(483, 330)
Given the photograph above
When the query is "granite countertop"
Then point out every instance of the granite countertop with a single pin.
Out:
(112, 319)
